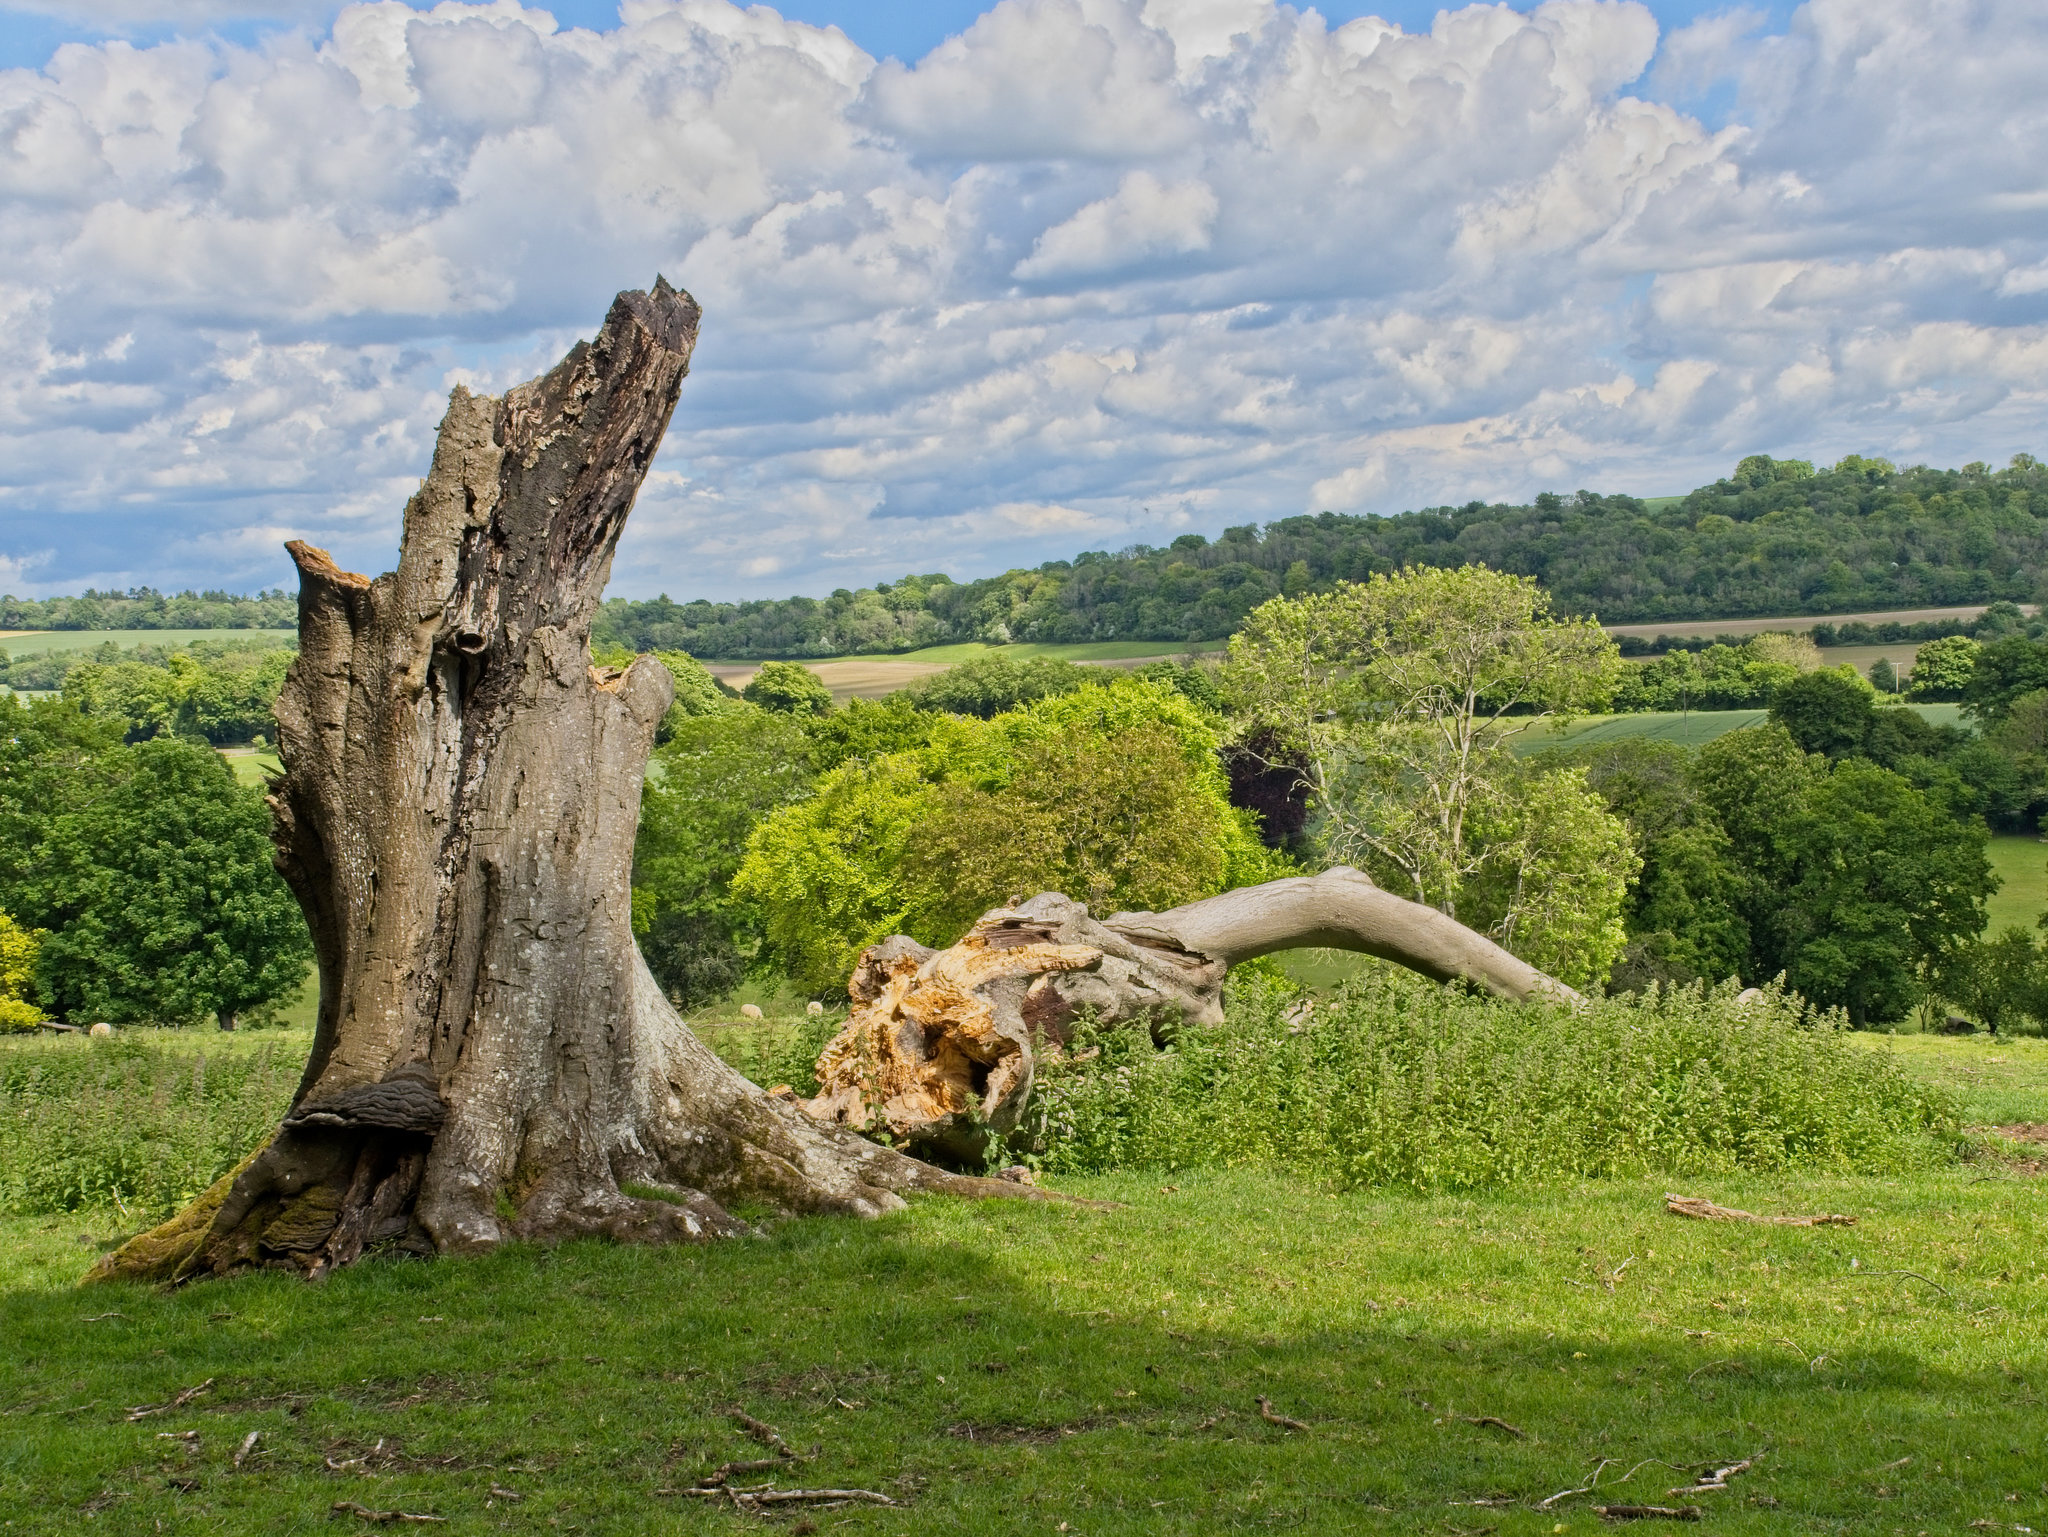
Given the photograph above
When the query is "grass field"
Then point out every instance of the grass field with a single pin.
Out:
(47, 642)
(2022, 864)
(1689, 730)
(1006, 1367)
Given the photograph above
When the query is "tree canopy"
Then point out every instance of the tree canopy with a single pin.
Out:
(1774, 537)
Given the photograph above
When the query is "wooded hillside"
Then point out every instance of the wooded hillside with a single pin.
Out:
(1776, 537)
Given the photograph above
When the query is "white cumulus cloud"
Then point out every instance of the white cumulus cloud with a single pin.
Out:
(1091, 272)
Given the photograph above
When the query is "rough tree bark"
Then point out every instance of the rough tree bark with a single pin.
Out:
(942, 1045)
(456, 816)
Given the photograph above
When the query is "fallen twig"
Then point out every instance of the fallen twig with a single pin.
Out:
(1911, 1275)
(144, 1411)
(1266, 1413)
(381, 1517)
(354, 1462)
(1586, 1488)
(100, 1318)
(1706, 1211)
(1490, 1419)
(1614, 1275)
(765, 1434)
(768, 1494)
(1718, 1479)
(1647, 1512)
(1212, 1419)
(248, 1445)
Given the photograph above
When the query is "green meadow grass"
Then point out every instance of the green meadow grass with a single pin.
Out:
(50, 642)
(1687, 729)
(1025, 651)
(2022, 865)
(1013, 1367)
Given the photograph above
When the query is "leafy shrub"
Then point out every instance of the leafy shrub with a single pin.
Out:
(128, 1125)
(1394, 1081)
(777, 1053)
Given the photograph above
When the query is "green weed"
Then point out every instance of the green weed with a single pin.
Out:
(129, 1125)
(1391, 1081)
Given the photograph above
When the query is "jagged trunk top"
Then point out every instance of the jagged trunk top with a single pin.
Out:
(456, 816)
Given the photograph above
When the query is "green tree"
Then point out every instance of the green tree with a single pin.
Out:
(1555, 876)
(1684, 914)
(18, 947)
(1399, 697)
(866, 728)
(1942, 668)
(711, 784)
(1883, 676)
(788, 688)
(1853, 881)
(1829, 712)
(156, 887)
(2004, 671)
(2002, 981)
(988, 685)
(1112, 793)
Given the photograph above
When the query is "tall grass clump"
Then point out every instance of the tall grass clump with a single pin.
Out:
(1393, 1081)
(129, 1126)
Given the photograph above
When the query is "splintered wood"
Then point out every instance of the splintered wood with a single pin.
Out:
(1700, 1208)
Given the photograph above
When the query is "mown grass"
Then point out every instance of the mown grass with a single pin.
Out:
(1008, 1367)
(2021, 862)
(50, 642)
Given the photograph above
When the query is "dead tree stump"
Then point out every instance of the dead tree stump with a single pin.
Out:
(456, 815)
(942, 1045)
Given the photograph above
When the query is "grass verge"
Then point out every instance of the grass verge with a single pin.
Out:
(1009, 1368)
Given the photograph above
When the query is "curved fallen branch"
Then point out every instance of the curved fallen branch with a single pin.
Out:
(942, 1045)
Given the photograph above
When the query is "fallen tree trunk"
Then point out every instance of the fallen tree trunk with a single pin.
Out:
(942, 1045)
(456, 816)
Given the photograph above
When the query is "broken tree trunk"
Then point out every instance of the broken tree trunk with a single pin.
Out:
(942, 1045)
(456, 816)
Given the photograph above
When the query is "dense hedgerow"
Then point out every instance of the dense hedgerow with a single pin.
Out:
(1394, 1081)
(130, 1126)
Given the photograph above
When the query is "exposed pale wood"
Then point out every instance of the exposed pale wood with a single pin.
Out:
(456, 815)
(941, 1047)
(1703, 1210)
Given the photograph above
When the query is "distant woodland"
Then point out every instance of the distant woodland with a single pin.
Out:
(1774, 537)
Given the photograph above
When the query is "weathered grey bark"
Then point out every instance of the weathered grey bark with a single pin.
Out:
(942, 1045)
(456, 816)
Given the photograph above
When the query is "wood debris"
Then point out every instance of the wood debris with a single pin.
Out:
(144, 1411)
(381, 1517)
(1706, 1211)
(763, 1495)
(1493, 1420)
(1267, 1414)
(1718, 1478)
(248, 1445)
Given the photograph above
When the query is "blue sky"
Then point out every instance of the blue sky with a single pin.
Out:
(1090, 272)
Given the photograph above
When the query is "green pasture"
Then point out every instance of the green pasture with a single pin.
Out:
(50, 642)
(1089, 651)
(1688, 729)
(1457, 1364)
(2021, 861)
